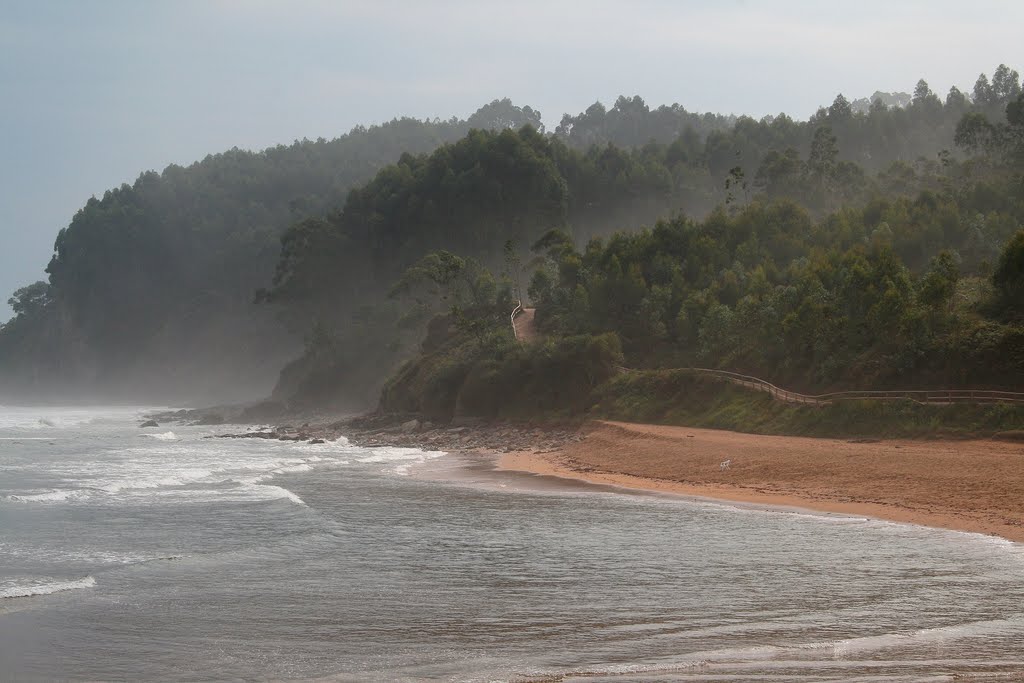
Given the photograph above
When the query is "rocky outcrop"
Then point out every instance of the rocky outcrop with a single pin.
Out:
(400, 430)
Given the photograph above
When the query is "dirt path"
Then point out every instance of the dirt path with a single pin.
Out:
(524, 326)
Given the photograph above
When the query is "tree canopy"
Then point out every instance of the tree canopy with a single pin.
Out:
(824, 250)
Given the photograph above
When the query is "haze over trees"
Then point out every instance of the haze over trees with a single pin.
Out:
(151, 286)
(867, 246)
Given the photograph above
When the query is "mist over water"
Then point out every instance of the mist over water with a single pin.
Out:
(158, 554)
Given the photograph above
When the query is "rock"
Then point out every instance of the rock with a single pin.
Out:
(149, 423)
(315, 441)
(410, 426)
(211, 419)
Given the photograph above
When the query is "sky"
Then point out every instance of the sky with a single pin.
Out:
(94, 92)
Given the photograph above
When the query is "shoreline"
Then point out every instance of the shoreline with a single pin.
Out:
(628, 456)
(968, 485)
(540, 465)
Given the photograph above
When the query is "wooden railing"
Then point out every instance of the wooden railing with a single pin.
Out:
(930, 396)
(761, 385)
(512, 318)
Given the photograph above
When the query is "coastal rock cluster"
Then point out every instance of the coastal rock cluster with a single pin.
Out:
(496, 437)
(403, 431)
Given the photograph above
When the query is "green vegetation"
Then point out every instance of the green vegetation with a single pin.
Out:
(501, 379)
(877, 245)
(151, 286)
(851, 301)
(892, 291)
(681, 397)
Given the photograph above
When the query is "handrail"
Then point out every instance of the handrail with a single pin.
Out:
(512, 318)
(932, 396)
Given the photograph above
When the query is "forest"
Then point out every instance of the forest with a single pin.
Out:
(151, 286)
(877, 244)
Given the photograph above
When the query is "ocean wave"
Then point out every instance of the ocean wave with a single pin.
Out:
(397, 454)
(61, 554)
(276, 492)
(970, 629)
(163, 436)
(52, 496)
(28, 438)
(193, 469)
(178, 478)
(50, 418)
(327, 445)
(48, 587)
(833, 652)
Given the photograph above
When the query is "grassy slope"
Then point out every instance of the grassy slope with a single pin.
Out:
(678, 397)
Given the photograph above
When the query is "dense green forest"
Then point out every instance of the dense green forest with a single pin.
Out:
(150, 291)
(810, 267)
(872, 245)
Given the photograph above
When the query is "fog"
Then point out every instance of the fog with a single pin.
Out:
(99, 93)
(96, 93)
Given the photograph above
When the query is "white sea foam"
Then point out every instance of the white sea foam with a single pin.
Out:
(52, 496)
(48, 418)
(177, 478)
(44, 587)
(791, 655)
(327, 449)
(163, 436)
(91, 555)
(28, 438)
(304, 467)
(396, 454)
(272, 492)
(187, 466)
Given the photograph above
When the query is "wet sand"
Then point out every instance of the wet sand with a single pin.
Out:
(975, 486)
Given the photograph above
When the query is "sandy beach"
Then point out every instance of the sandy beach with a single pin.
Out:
(975, 485)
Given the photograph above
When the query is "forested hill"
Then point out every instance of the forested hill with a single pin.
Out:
(903, 291)
(151, 287)
(150, 291)
(489, 191)
(474, 195)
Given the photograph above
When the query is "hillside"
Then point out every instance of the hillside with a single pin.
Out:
(151, 288)
(892, 292)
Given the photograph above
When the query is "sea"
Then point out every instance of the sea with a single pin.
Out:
(130, 554)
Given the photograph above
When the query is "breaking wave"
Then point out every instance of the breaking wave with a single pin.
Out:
(164, 436)
(27, 590)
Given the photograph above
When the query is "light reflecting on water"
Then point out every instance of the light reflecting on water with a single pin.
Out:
(217, 559)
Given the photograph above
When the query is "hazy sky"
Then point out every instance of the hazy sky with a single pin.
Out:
(94, 92)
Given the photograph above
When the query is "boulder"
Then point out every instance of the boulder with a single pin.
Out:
(149, 423)
(410, 426)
